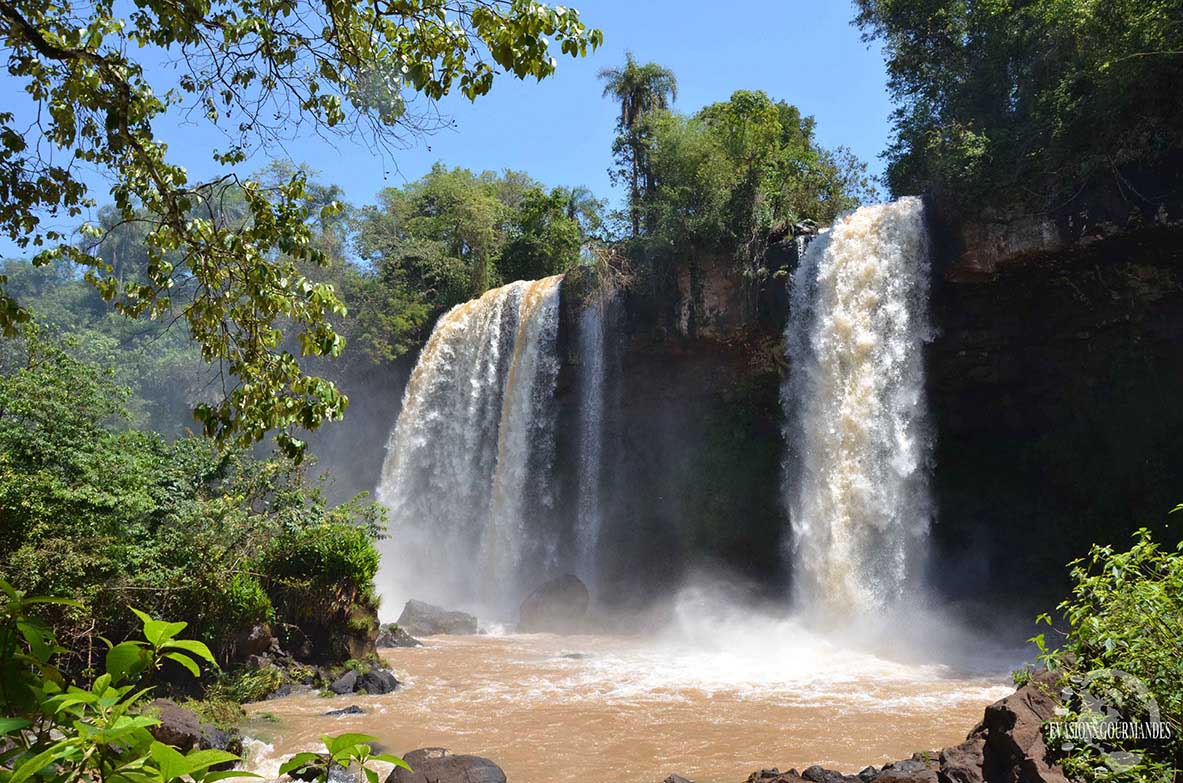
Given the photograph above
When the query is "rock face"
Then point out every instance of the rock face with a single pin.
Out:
(557, 606)
(423, 619)
(437, 765)
(393, 635)
(1054, 377)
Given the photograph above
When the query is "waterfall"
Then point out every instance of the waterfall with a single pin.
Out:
(467, 477)
(858, 438)
(590, 344)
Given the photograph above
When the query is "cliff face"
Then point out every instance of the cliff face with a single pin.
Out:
(1054, 384)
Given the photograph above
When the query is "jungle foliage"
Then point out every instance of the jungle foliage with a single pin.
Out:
(107, 515)
(723, 180)
(1024, 103)
(62, 727)
(1123, 617)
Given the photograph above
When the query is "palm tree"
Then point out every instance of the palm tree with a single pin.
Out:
(641, 89)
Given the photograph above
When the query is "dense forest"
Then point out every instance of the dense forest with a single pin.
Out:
(171, 372)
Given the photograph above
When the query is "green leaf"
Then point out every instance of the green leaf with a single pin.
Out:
(392, 759)
(203, 759)
(39, 762)
(185, 661)
(169, 761)
(191, 646)
(158, 631)
(9, 725)
(127, 658)
(343, 741)
(299, 761)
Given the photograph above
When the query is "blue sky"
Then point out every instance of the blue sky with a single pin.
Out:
(560, 130)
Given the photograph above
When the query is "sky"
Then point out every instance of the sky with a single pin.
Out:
(560, 130)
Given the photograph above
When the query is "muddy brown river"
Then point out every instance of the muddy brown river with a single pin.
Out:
(549, 709)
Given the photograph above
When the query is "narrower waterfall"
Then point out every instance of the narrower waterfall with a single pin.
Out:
(588, 521)
(467, 477)
(857, 476)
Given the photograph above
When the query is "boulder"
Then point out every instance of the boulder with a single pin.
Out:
(774, 775)
(921, 768)
(254, 642)
(819, 774)
(1011, 739)
(377, 681)
(437, 765)
(677, 779)
(963, 763)
(557, 606)
(346, 683)
(185, 730)
(393, 635)
(423, 619)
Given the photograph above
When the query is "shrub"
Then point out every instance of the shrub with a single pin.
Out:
(1124, 614)
(58, 729)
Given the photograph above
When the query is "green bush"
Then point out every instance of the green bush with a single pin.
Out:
(1125, 613)
(59, 729)
(110, 516)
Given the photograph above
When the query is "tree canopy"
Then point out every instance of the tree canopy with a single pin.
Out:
(256, 71)
(1026, 102)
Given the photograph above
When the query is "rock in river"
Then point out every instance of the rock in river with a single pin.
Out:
(423, 619)
(436, 765)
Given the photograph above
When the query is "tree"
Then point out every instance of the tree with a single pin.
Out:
(1025, 103)
(256, 72)
(544, 240)
(740, 170)
(641, 91)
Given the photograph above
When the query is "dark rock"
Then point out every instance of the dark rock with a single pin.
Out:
(867, 774)
(185, 730)
(346, 683)
(352, 709)
(557, 606)
(423, 619)
(1012, 736)
(574, 656)
(393, 635)
(285, 689)
(819, 774)
(963, 763)
(436, 765)
(921, 768)
(377, 681)
(677, 779)
(774, 775)
(178, 727)
(255, 641)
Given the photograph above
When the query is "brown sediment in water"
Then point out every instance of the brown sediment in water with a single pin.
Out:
(618, 714)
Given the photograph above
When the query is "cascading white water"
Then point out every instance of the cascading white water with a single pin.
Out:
(590, 345)
(468, 466)
(857, 476)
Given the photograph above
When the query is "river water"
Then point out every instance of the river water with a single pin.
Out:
(609, 709)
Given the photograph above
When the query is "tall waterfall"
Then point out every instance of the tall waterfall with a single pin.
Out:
(588, 521)
(467, 477)
(857, 476)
